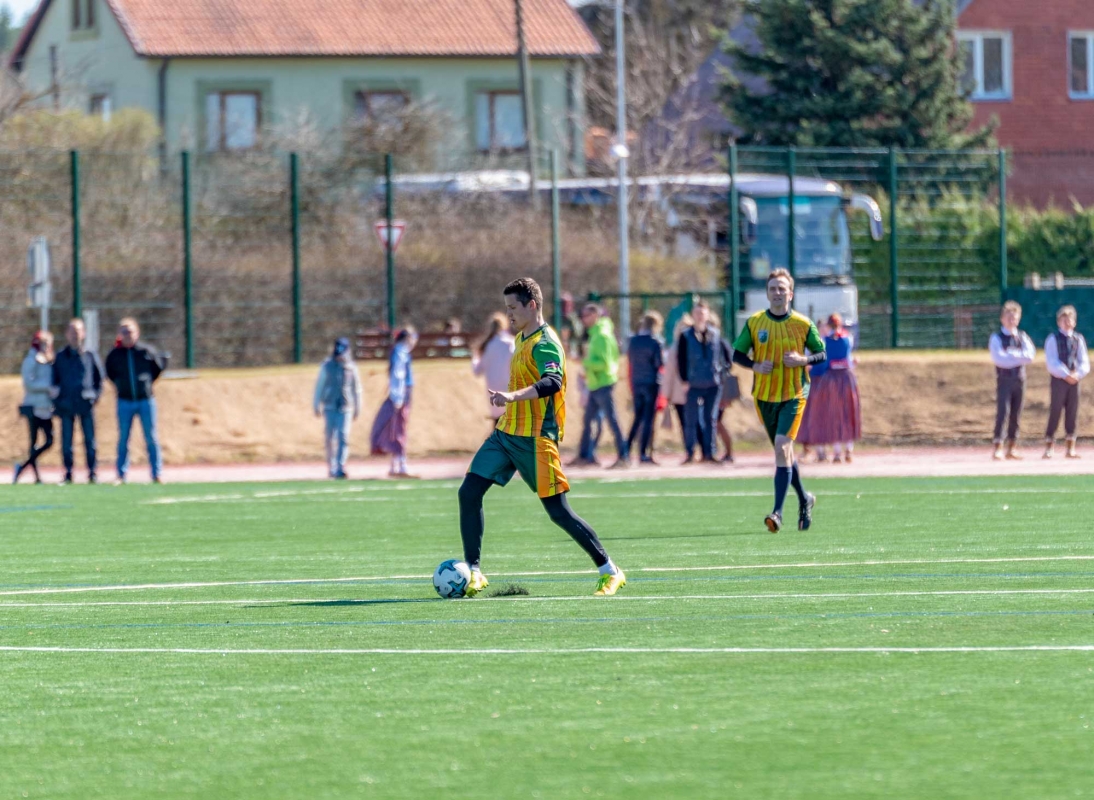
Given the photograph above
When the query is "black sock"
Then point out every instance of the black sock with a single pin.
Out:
(558, 509)
(796, 482)
(782, 483)
(472, 518)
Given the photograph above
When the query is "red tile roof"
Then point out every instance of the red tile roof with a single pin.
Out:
(180, 28)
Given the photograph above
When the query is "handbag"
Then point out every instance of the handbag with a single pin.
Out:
(731, 388)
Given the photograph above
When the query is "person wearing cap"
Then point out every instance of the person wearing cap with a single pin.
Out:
(338, 399)
(37, 405)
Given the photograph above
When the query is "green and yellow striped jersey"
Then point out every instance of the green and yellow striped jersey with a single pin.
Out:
(768, 338)
(537, 354)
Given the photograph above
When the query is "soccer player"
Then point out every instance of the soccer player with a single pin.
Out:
(777, 339)
(526, 440)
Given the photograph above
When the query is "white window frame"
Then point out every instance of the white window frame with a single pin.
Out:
(976, 39)
(1089, 93)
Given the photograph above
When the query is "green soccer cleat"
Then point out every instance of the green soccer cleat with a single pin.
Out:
(610, 584)
(774, 522)
(805, 512)
(477, 583)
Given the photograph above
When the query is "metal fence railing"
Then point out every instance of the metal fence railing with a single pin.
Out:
(265, 257)
(937, 276)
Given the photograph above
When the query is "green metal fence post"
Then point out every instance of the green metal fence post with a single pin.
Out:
(791, 245)
(556, 244)
(389, 215)
(734, 242)
(77, 288)
(894, 272)
(187, 262)
(294, 211)
(1003, 276)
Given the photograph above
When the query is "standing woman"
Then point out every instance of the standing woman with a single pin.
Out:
(37, 404)
(491, 360)
(674, 389)
(809, 431)
(389, 431)
(839, 420)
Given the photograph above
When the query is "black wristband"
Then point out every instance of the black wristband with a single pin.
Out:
(816, 358)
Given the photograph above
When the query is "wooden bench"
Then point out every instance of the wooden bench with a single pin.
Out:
(373, 345)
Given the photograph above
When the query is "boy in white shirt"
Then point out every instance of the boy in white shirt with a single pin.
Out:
(1011, 350)
(1068, 363)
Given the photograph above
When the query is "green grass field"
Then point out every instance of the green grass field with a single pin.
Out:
(925, 639)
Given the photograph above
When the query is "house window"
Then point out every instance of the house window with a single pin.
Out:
(83, 15)
(379, 106)
(232, 120)
(985, 64)
(1081, 65)
(499, 122)
(100, 106)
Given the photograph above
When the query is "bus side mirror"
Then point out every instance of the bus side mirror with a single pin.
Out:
(860, 202)
(750, 220)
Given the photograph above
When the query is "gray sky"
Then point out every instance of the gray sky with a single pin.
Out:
(20, 8)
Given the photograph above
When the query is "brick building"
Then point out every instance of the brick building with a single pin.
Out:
(1031, 65)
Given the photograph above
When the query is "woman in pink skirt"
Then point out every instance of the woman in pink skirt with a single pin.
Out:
(833, 414)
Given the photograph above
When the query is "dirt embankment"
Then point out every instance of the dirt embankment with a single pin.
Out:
(264, 415)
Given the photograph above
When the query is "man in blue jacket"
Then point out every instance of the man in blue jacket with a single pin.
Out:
(77, 386)
(133, 367)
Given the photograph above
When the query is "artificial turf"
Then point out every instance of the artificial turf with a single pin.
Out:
(284, 641)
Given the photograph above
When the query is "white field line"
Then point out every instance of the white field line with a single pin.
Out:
(227, 498)
(543, 573)
(572, 598)
(370, 651)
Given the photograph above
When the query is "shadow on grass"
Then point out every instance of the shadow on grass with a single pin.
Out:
(685, 536)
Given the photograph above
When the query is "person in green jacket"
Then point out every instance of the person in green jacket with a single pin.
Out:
(601, 366)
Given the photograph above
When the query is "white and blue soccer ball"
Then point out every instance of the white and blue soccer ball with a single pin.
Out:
(451, 578)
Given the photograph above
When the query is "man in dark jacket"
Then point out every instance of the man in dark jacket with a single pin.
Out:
(133, 367)
(645, 359)
(701, 360)
(77, 386)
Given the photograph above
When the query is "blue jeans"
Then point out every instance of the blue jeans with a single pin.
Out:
(336, 440)
(701, 420)
(601, 403)
(146, 410)
(68, 428)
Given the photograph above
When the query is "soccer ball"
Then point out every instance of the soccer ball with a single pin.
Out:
(451, 578)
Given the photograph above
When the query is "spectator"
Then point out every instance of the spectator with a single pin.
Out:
(674, 389)
(700, 358)
(731, 393)
(133, 367)
(570, 332)
(491, 360)
(78, 385)
(839, 412)
(1011, 351)
(810, 429)
(389, 430)
(338, 394)
(1068, 363)
(37, 404)
(645, 358)
(601, 366)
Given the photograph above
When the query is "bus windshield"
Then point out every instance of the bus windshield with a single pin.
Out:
(822, 239)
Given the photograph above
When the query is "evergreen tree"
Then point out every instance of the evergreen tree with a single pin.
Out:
(851, 73)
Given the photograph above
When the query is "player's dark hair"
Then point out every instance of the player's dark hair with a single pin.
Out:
(526, 290)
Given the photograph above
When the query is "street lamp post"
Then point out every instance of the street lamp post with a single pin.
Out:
(621, 153)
